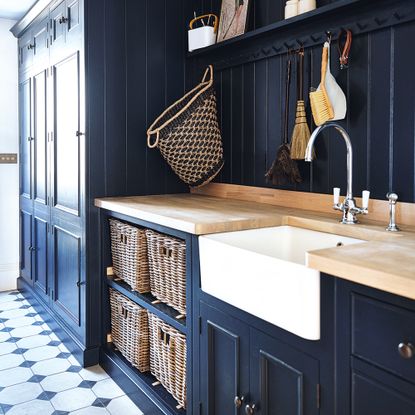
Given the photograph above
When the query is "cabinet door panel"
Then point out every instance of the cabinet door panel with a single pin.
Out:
(66, 141)
(371, 397)
(74, 34)
(58, 29)
(25, 139)
(283, 380)
(26, 245)
(67, 268)
(40, 138)
(67, 273)
(26, 48)
(40, 266)
(224, 362)
(40, 41)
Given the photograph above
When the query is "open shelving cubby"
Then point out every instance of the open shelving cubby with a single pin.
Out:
(165, 312)
(112, 358)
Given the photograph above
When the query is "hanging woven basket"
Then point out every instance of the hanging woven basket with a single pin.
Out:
(188, 135)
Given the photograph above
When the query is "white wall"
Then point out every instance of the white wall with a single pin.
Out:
(9, 173)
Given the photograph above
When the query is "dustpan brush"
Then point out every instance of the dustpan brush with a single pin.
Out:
(301, 133)
(319, 100)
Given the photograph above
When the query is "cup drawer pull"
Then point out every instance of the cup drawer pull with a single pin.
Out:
(406, 350)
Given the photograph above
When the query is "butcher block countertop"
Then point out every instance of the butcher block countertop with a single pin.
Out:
(386, 261)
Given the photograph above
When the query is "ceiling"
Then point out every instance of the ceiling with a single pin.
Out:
(15, 9)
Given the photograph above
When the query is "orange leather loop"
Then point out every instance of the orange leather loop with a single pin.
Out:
(345, 50)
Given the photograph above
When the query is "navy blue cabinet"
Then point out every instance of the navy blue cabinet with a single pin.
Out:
(224, 363)
(374, 392)
(41, 251)
(26, 219)
(26, 139)
(375, 353)
(283, 380)
(53, 177)
(244, 371)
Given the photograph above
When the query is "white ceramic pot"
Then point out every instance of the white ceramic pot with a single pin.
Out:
(305, 6)
(201, 37)
(291, 9)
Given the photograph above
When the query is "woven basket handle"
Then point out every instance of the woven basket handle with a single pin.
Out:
(198, 90)
(209, 70)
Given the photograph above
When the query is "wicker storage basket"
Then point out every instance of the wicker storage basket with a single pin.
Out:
(188, 135)
(167, 263)
(129, 330)
(129, 255)
(168, 357)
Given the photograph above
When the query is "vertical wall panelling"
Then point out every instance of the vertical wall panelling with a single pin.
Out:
(237, 123)
(403, 124)
(379, 86)
(226, 96)
(249, 125)
(155, 78)
(156, 86)
(261, 103)
(379, 99)
(174, 70)
(115, 80)
(136, 64)
(273, 109)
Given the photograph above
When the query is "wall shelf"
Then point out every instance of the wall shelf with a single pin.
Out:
(165, 312)
(307, 29)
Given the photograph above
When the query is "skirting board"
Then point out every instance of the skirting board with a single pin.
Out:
(317, 202)
(8, 276)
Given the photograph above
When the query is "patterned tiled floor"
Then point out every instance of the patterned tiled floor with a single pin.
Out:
(38, 376)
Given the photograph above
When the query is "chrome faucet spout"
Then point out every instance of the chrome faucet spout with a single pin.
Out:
(348, 207)
(346, 137)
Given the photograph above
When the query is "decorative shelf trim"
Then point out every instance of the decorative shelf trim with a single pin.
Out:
(307, 30)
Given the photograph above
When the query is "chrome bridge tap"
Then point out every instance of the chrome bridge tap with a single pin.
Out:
(348, 207)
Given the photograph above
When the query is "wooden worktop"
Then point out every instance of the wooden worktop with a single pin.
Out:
(386, 261)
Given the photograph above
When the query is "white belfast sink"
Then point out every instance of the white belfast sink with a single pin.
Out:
(264, 272)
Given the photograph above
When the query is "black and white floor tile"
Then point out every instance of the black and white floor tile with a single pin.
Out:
(38, 376)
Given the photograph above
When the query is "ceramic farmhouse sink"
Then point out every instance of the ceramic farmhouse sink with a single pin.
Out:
(264, 272)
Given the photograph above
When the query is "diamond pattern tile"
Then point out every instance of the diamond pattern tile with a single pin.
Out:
(6, 348)
(34, 341)
(73, 399)
(39, 376)
(61, 381)
(20, 393)
(20, 322)
(14, 376)
(35, 407)
(26, 331)
(10, 360)
(50, 366)
(42, 353)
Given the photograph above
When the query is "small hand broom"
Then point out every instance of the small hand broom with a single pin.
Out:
(301, 133)
(319, 100)
(284, 169)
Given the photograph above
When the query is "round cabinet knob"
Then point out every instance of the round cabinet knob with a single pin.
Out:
(406, 350)
(250, 409)
(238, 401)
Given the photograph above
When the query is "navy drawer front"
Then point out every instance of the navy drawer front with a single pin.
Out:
(377, 330)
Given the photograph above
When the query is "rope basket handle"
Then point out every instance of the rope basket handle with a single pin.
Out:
(204, 85)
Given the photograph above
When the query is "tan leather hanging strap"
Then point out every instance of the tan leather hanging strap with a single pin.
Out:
(344, 50)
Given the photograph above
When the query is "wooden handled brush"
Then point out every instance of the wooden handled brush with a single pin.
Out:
(301, 133)
(319, 100)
